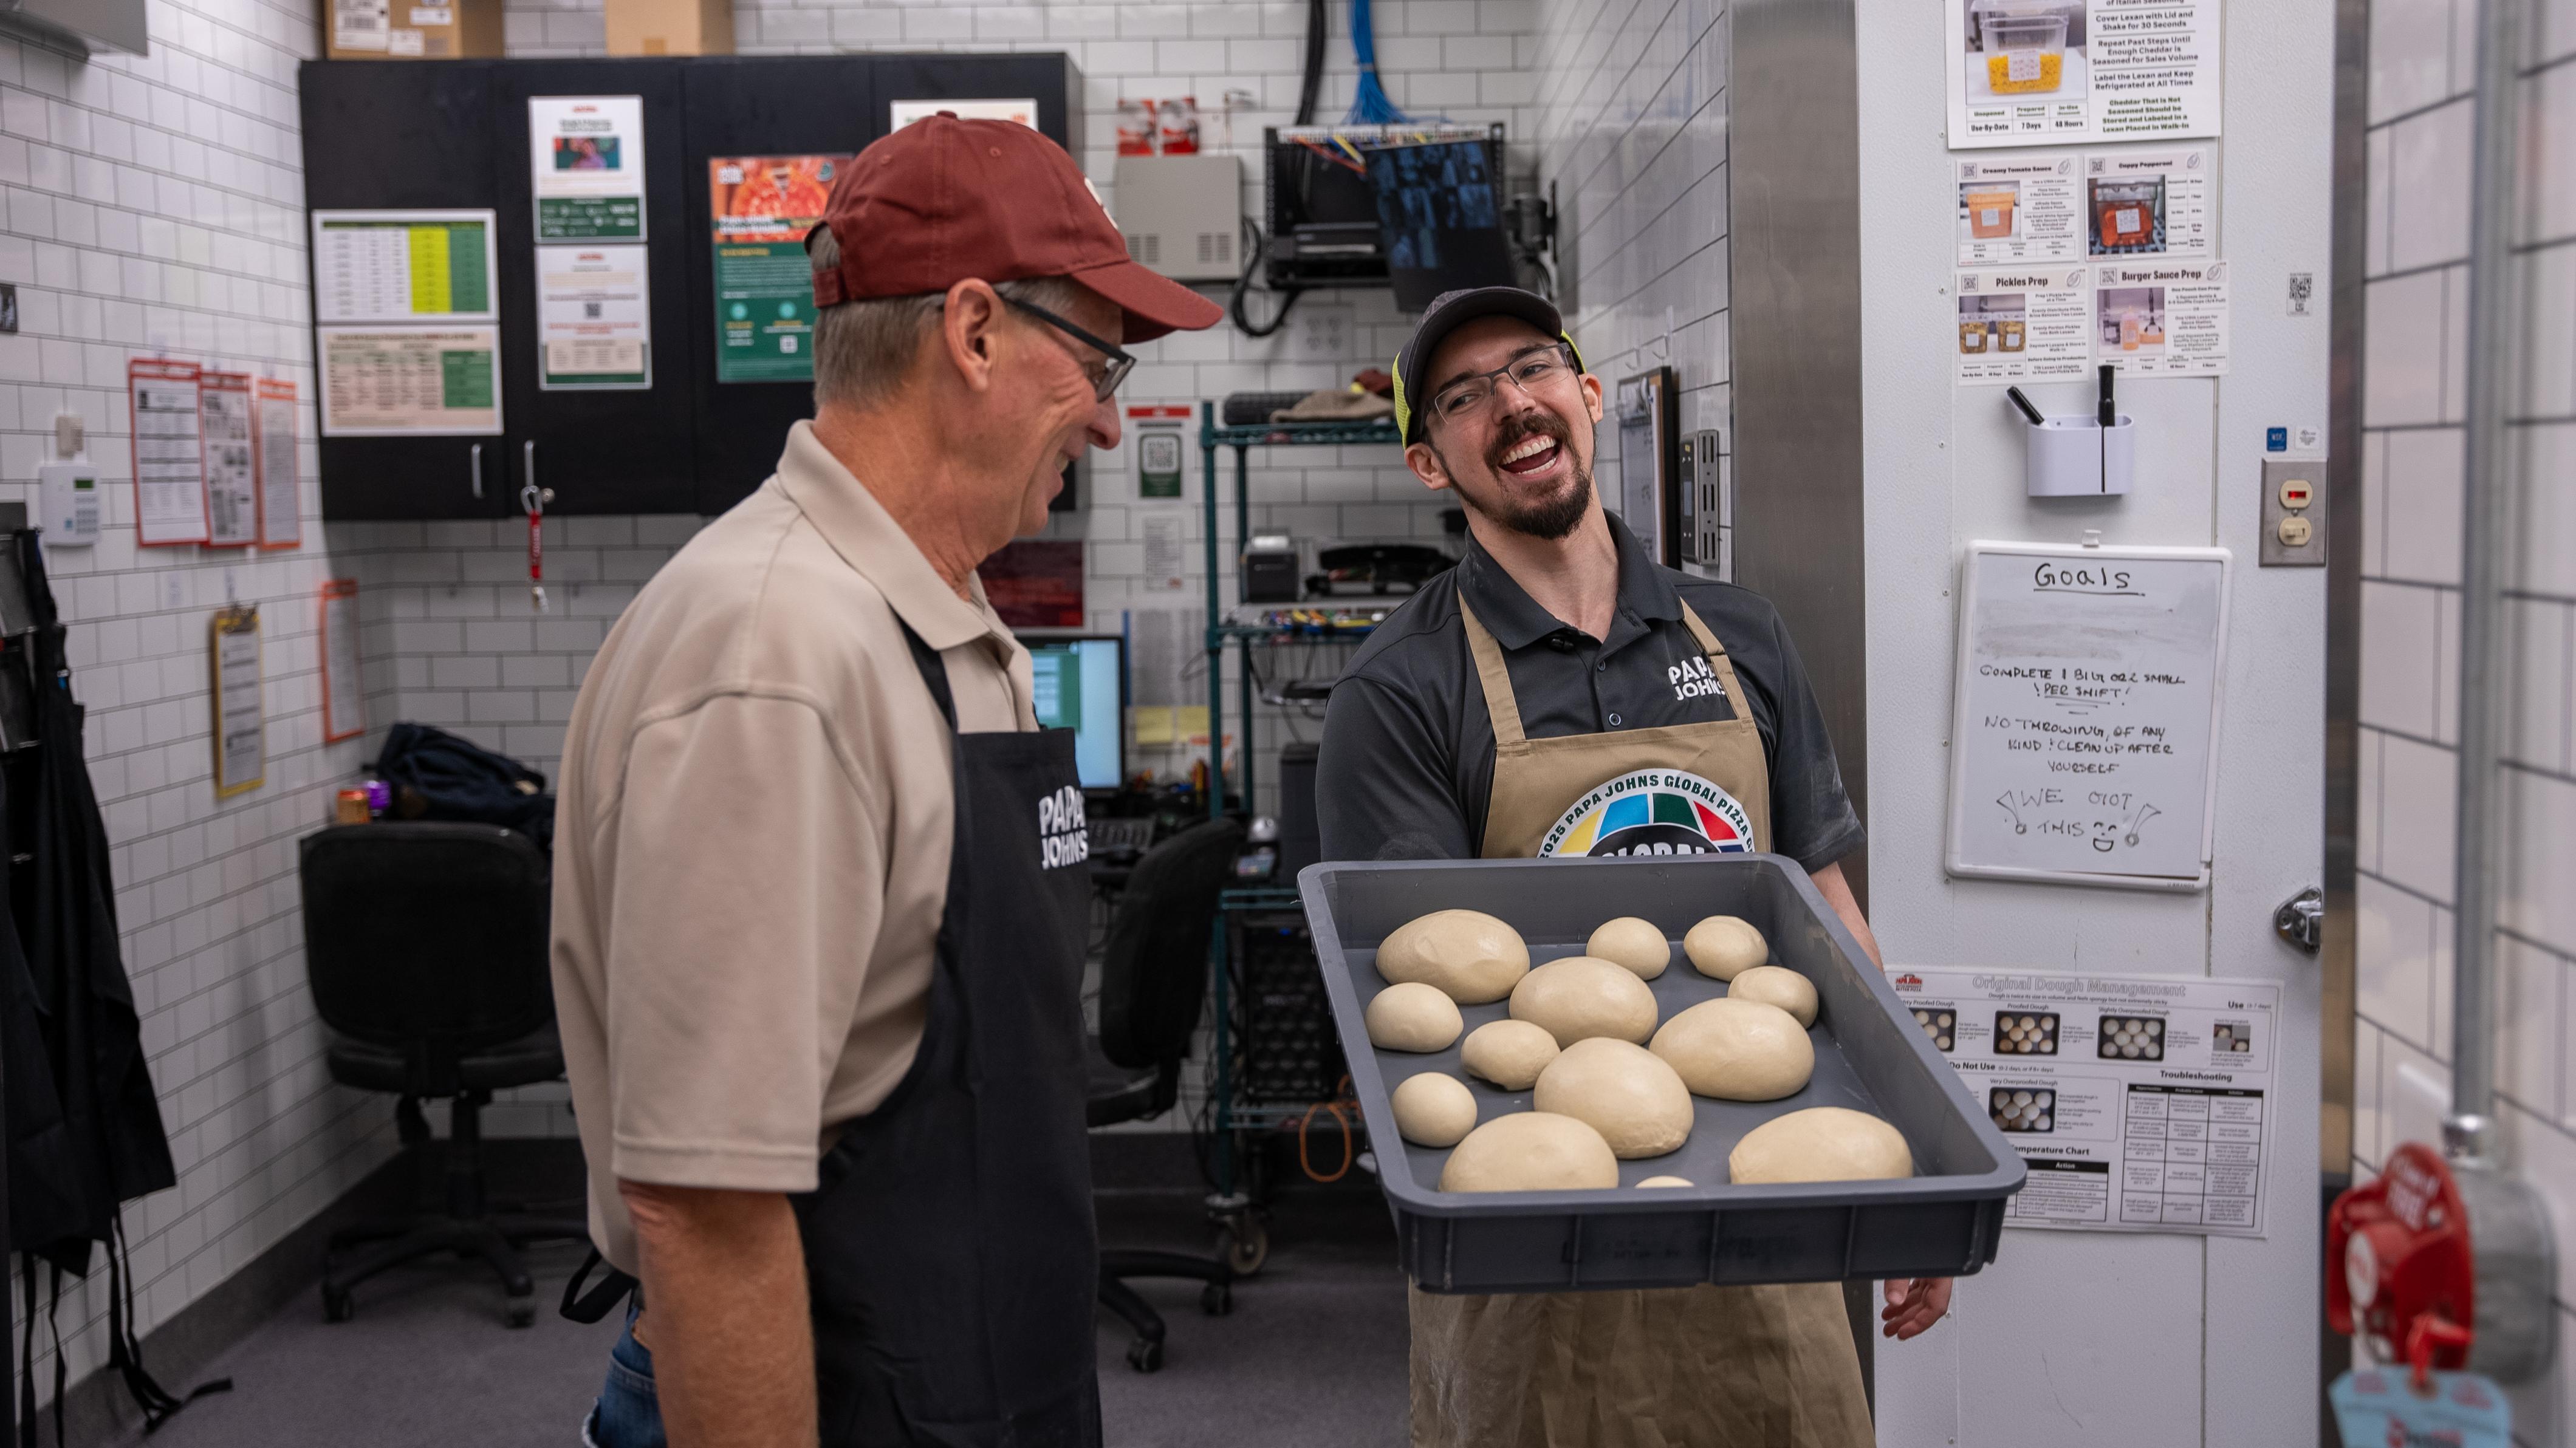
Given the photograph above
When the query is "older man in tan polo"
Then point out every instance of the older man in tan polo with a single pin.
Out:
(817, 963)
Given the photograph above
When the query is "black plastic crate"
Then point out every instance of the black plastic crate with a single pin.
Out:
(1286, 1050)
(1871, 1055)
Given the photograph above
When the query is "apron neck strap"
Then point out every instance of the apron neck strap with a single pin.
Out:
(1718, 661)
(934, 672)
(1499, 700)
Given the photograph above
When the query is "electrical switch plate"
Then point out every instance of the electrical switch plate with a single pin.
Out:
(2293, 536)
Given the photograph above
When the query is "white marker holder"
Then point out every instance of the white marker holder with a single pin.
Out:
(2073, 457)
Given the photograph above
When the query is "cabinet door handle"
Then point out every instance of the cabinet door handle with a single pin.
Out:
(475, 469)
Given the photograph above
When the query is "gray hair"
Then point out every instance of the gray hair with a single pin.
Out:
(863, 348)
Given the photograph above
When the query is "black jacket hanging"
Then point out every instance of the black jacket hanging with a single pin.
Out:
(115, 1149)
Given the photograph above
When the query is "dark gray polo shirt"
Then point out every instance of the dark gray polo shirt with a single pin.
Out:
(1407, 764)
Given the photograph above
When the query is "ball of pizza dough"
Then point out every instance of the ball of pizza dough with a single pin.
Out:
(1413, 1017)
(1780, 986)
(1579, 997)
(1634, 943)
(1665, 1181)
(1508, 1053)
(1723, 945)
(1738, 1050)
(1433, 1109)
(1820, 1144)
(1531, 1151)
(1624, 1091)
(1469, 955)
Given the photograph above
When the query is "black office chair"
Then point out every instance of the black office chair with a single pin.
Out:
(426, 945)
(1153, 981)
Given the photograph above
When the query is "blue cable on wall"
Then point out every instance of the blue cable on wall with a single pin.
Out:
(1369, 107)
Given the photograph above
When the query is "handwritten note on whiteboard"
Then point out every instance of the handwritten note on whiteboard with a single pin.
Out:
(2087, 701)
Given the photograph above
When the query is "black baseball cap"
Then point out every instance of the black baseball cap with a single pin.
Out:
(1447, 313)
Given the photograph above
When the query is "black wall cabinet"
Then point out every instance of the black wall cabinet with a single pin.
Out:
(455, 134)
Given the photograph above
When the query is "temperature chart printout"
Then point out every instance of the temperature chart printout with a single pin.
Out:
(2139, 1103)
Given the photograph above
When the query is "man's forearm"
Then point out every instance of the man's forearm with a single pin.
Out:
(730, 1332)
(1838, 893)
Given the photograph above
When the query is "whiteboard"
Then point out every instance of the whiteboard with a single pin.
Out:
(2087, 705)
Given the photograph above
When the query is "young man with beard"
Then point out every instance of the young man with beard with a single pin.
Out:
(1556, 658)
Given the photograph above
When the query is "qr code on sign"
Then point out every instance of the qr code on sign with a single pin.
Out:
(590, 311)
(2303, 289)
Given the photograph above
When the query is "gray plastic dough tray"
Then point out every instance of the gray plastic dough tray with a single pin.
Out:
(1870, 1055)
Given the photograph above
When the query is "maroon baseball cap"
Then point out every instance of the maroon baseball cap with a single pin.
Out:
(943, 199)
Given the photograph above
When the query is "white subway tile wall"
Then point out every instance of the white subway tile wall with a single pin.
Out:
(154, 207)
(2414, 387)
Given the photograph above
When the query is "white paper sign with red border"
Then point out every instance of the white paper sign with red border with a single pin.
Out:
(169, 451)
(281, 501)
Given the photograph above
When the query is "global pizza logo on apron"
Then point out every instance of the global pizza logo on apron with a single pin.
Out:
(1652, 812)
(1064, 834)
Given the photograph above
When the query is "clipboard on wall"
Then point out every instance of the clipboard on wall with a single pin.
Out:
(343, 702)
(241, 714)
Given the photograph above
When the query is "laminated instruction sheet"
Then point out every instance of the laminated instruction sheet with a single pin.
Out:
(2037, 72)
(2139, 1103)
(594, 273)
(232, 484)
(2022, 324)
(2151, 317)
(2065, 206)
(586, 166)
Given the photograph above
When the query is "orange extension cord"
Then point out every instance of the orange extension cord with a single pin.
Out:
(1350, 1147)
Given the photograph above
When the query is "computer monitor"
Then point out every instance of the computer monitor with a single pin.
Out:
(1440, 218)
(1080, 683)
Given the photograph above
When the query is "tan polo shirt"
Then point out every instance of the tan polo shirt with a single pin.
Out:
(752, 840)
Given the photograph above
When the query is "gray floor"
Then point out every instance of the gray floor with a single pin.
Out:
(1314, 1351)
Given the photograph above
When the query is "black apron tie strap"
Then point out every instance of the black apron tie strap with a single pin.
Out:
(934, 672)
(591, 1306)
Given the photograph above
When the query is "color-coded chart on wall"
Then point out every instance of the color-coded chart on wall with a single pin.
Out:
(403, 266)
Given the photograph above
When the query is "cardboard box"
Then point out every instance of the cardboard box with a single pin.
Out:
(670, 27)
(408, 30)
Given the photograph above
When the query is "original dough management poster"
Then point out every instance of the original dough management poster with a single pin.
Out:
(2040, 72)
(2139, 1103)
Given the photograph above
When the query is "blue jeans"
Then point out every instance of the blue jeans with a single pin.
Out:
(628, 1415)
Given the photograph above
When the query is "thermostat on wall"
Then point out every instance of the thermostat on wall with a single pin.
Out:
(69, 494)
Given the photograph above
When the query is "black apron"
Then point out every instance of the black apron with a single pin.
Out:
(950, 1251)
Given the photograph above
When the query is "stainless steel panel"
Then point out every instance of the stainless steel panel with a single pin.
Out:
(1793, 158)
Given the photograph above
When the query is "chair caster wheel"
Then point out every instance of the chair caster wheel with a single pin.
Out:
(522, 1312)
(1145, 1355)
(337, 1304)
(1216, 1299)
(1243, 1243)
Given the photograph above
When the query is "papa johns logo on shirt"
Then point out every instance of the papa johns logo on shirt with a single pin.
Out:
(1064, 836)
(1692, 678)
(1652, 812)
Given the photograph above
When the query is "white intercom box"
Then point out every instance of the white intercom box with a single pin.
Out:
(69, 494)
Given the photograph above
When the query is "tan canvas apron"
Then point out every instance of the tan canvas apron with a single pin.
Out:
(1708, 1367)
